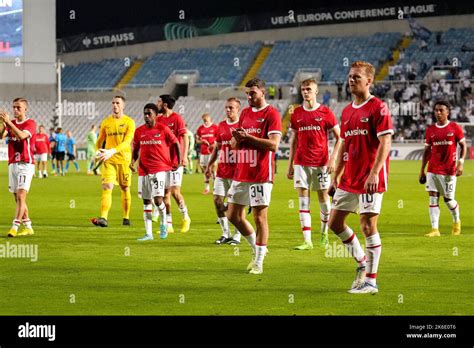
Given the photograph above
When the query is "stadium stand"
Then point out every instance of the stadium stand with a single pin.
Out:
(442, 49)
(102, 75)
(326, 53)
(215, 65)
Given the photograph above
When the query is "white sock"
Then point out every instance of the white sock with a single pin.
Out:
(206, 186)
(260, 252)
(305, 218)
(434, 212)
(27, 223)
(162, 213)
(349, 238)
(236, 235)
(40, 174)
(184, 211)
(454, 209)
(324, 214)
(373, 250)
(251, 239)
(169, 219)
(224, 226)
(45, 173)
(147, 209)
(16, 224)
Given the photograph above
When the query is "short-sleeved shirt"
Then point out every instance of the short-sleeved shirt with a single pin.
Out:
(207, 133)
(61, 141)
(311, 129)
(227, 162)
(153, 145)
(256, 165)
(361, 125)
(70, 142)
(443, 141)
(176, 123)
(22, 150)
(41, 143)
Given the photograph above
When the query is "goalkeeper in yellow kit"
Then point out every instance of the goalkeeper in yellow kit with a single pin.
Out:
(114, 143)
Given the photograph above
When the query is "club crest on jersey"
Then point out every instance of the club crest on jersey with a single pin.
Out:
(157, 135)
(364, 119)
(450, 134)
(318, 119)
(260, 119)
(170, 124)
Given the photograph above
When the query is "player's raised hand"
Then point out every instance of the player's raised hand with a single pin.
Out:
(422, 178)
(4, 116)
(239, 134)
(371, 183)
(291, 172)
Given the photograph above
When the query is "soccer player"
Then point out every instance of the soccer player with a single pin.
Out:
(256, 137)
(152, 143)
(225, 168)
(441, 143)
(52, 143)
(206, 136)
(362, 160)
(61, 141)
(114, 142)
(175, 177)
(42, 149)
(311, 124)
(21, 167)
(71, 151)
(91, 140)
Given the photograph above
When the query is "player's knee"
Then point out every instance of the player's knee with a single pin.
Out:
(335, 225)
(446, 200)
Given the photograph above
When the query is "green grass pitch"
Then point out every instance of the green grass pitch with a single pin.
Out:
(87, 270)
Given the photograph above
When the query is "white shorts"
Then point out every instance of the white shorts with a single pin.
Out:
(41, 157)
(315, 178)
(357, 203)
(204, 160)
(174, 177)
(248, 193)
(444, 184)
(20, 176)
(221, 186)
(152, 185)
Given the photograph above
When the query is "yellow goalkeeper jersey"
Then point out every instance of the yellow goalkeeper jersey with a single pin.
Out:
(117, 133)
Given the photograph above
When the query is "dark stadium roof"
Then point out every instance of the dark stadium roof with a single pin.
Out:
(92, 15)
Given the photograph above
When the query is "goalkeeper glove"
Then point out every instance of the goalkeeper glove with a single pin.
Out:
(106, 154)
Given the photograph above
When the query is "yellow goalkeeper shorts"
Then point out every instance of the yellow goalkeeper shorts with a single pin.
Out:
(116, 174)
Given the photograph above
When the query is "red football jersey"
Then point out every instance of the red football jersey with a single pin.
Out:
(176, 124)
(311, 128)
(208, 133)
(227, 162)
(443, 141)
(41, 144)
(154, 146)
(361, 125)
(22, 150)
(254, 165)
